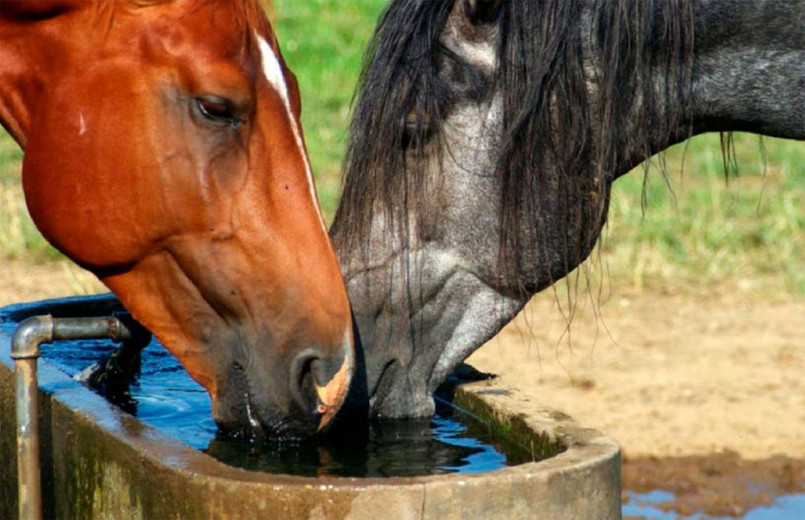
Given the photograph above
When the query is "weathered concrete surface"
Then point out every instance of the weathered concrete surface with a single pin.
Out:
(99, 462)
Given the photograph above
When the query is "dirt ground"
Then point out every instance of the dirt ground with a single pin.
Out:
(706, 394)
(666, 375)
(26, 281)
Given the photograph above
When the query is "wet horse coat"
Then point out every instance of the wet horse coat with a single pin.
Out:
(164, 153)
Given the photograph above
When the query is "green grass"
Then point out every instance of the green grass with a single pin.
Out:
(322, 42)
(706, 230)
(19, 237)
(704, 233)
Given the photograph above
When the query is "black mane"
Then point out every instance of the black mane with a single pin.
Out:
(551, 126)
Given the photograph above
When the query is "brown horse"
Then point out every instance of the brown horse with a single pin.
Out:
(164, 153)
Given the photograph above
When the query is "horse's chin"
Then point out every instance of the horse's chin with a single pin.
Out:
(240, 433)
(394, 397)
(272, 429)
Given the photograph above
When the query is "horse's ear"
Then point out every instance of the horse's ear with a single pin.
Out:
(482, 11)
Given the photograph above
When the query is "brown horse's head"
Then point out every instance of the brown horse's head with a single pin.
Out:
(163, 152)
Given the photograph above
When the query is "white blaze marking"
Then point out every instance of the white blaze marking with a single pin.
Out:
(273, 73)
(82, 124)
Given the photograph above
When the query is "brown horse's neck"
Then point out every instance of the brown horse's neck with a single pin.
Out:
(33, 38)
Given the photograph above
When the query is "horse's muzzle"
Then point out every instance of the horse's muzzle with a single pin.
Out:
(295, 403)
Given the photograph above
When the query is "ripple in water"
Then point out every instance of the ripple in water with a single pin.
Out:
(167, 398)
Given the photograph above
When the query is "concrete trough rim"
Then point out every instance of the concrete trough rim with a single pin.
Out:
(586, 449)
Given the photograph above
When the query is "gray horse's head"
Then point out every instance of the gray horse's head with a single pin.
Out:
(486, 139)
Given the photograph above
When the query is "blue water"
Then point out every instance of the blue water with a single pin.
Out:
(167, 398)
(648, 506)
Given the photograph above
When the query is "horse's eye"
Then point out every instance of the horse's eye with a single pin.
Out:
(416, 132)
(218, 110)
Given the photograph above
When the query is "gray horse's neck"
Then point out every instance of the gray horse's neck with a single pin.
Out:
(749, 72)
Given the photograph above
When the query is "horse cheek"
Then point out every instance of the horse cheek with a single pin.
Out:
(74, 190)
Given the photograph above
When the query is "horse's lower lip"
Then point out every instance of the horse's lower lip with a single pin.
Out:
(281, 428)
(240, 433)
(258, 433)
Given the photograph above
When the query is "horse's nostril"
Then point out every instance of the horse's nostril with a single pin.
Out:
(303, 383)
(319, 381)
(307, 383)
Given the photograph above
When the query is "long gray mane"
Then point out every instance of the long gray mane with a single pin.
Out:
(553, 124)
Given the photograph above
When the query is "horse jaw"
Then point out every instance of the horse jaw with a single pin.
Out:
(418, 334)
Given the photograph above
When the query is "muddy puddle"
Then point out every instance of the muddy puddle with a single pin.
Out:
(713, 487)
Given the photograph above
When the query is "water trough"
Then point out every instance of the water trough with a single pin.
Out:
(99, 462)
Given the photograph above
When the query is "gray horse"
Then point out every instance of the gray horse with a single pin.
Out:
(486, 139)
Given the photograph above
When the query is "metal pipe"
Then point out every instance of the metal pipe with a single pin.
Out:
(30, 334)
